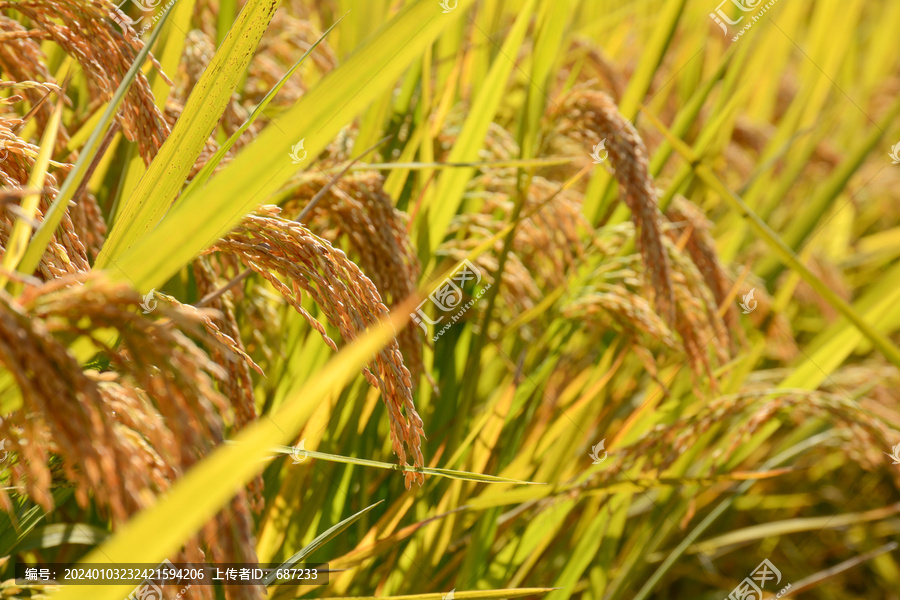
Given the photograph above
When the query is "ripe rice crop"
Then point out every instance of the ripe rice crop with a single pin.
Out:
(468, 299)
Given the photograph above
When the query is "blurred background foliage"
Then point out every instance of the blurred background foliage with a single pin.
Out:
(399, 139)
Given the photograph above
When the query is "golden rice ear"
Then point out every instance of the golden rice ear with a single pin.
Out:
(68, 401)
(238, 385)
(753, 408)
(199, 49)
(548, 245)
(693, 232)
(274, 247)
(627, 309)
(598, 63)
(21, 60)
(18, 156)
(128, 432)
(359, 211)
(105, 46)
(551, 242)
(546, 249)
(113, 443)
(66, 254)
(152, 352)
(88, 223)
(594, 117)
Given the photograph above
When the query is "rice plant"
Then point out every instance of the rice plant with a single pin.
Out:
(464, 299)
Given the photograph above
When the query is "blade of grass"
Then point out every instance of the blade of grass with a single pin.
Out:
(803, 225)
(697, 531)
(160, 185)
(452, 184)
(214, 161)
(172, 48)
(814, 580)
(320, 541)
(18, 238)
(364, 462)
(264, 166)
(601, 186)
(786, 527)
(227, 13)
(831, 347)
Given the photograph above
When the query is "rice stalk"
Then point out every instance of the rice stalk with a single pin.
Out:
(271, 245)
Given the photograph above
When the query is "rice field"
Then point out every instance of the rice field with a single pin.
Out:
(449, 299)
